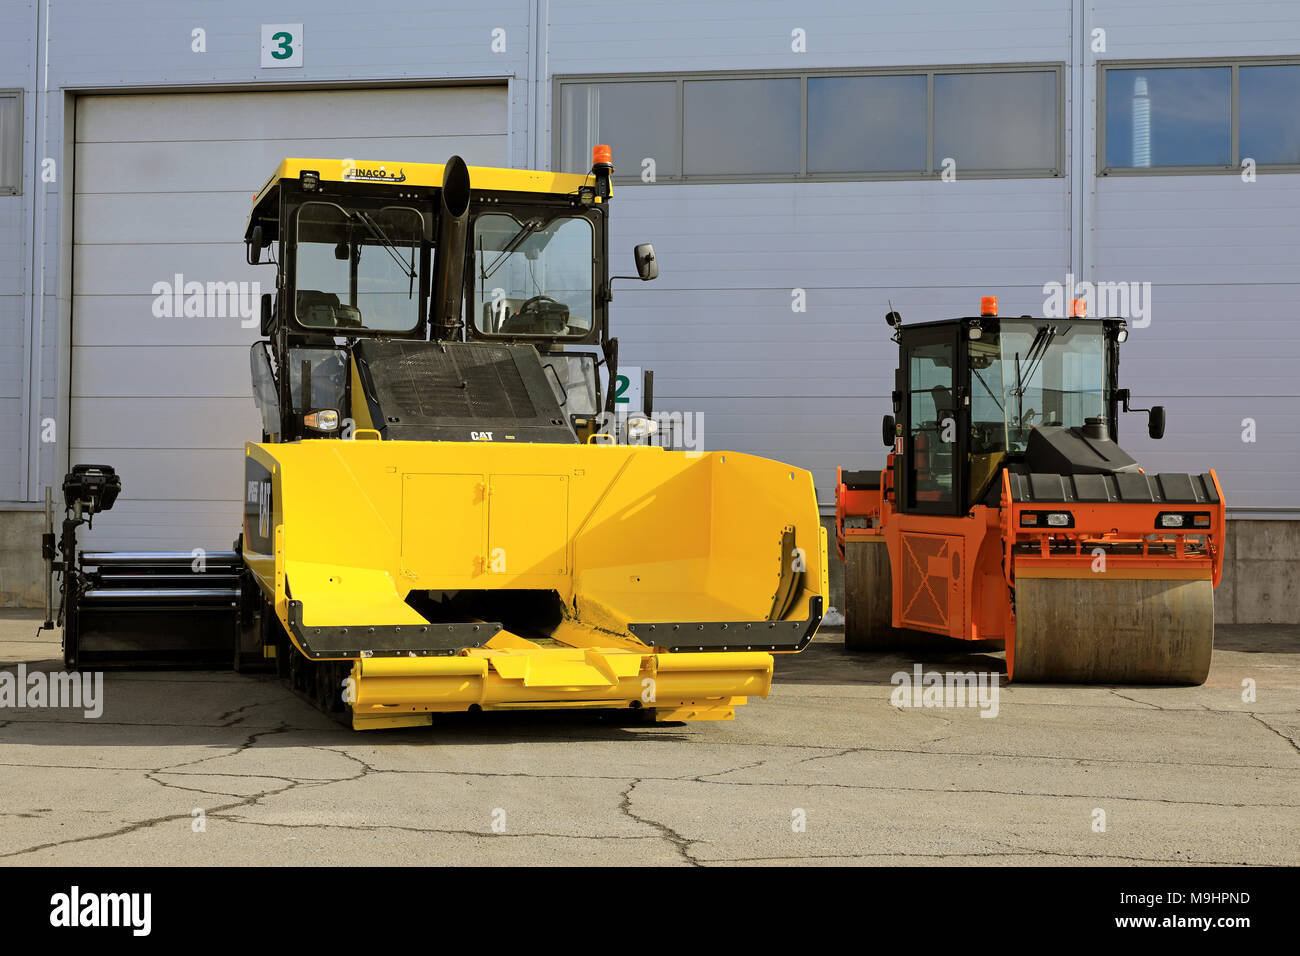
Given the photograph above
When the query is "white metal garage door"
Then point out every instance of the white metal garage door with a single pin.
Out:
(163, 187)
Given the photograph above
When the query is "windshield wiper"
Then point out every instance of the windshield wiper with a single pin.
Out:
(986, 388)
(391, 248)
(527, 229)
(1033, 358)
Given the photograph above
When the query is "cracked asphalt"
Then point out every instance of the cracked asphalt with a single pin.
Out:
(1183, 775)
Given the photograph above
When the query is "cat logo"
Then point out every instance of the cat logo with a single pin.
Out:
(264, 509)
(480, 436)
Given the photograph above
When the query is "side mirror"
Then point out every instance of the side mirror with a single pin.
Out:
(887, 431)
(341, 251)
(253, 246)
(268, 319)
(647, 266)
(1156, 422)
(893, 319)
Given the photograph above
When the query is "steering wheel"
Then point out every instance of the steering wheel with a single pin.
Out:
(528, 303)
(552, 320)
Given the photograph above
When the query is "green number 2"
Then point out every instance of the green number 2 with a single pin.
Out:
(286, 45)
(621, 383)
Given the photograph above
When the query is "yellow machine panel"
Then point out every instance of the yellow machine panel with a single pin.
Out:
(655, 571)
(528, 523)
(444, 521)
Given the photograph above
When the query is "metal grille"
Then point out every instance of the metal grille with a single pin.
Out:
(467, 381)
(925, 596)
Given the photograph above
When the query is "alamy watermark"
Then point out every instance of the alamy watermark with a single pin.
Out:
(674, 431)
(919, 688)
(1125, 300)
(58, 689)
(212, 300)
(127, 910)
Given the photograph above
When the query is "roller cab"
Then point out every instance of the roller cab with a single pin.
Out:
(447, 510)
(1005, 510)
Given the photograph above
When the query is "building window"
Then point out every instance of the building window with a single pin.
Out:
(818, 125)
(866, 124)
(641, 118)
(741, 127)
(1268, 122)
(1203, 117)
(993, 121)
(11, 143)
(1169, 117)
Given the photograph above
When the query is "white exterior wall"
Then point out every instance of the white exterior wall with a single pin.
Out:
(717, 325)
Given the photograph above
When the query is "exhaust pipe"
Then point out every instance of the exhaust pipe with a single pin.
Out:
(1096, 428)
(448, 296)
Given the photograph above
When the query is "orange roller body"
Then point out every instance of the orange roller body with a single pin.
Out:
(1006, 511)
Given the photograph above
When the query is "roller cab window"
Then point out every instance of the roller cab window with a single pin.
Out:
(1034, 373)
(359, 268)
(1030, 373)
(932, 424)
(532, 276)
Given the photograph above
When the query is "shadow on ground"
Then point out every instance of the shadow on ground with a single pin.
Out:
(185, 708)
(827, 661)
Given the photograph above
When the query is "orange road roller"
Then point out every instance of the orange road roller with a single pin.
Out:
(1007, 511)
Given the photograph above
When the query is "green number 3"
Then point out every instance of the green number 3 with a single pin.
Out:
(286, 45)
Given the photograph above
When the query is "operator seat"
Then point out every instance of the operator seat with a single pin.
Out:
(323, 310)
(937, 452)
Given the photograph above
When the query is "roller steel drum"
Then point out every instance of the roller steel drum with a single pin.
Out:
(1114, 631)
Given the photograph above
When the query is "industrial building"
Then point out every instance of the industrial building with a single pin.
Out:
(800, 168)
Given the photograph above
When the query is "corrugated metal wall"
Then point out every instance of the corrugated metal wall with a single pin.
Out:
(131, 45)
(1223, 256)
(163, 188)
(717, 326)
(18, 51)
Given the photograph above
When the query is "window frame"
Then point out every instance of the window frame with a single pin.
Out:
(291, 208)
(931, 173)
(519, 213)
(20, 130)
(951, 335)
(1234, 115)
